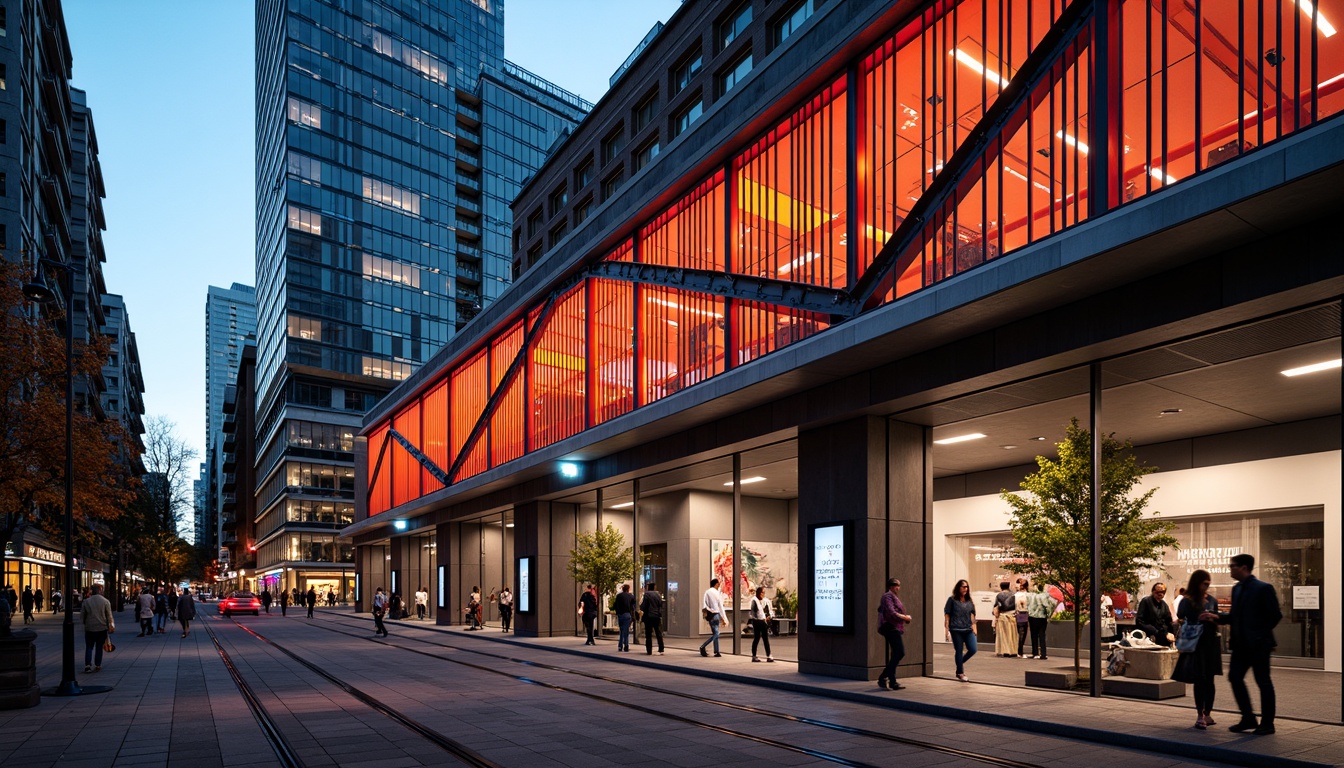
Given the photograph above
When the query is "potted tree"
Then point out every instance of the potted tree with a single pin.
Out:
(1051, 523)
(601, 558)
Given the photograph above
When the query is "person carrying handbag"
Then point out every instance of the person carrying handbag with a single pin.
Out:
(1200, 645)
(96, 613)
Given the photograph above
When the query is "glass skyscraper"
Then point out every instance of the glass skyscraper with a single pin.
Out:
(391, 135)
(230, 318)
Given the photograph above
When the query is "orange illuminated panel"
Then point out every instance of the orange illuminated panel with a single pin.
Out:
(680, 340)
(506, 424)
(434, 428)
(380, 475)
(558, 365)
(791, 196)
(611, 348)
(469, 394)
(405, 469)
(623, 252)
(690, 233)
(759, 329)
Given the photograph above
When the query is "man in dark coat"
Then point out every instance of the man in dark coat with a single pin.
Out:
(28, 601)
(1154, 616)
(1255, 612)
(651, 613)
(311, 599)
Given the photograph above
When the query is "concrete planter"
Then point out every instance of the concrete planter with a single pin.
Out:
(18, 671)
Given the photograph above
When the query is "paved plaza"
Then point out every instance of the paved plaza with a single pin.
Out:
(532, 702)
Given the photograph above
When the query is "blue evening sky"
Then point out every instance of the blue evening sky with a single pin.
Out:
(170, 83)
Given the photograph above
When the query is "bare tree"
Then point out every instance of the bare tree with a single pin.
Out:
(170, 463)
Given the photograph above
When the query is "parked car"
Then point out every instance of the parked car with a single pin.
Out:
(240, 602)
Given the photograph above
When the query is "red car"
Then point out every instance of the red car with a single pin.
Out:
(240, 602)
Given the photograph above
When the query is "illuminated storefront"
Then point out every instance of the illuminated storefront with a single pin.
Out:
(958, 210)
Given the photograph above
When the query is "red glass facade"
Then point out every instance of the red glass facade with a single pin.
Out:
(1182, 88)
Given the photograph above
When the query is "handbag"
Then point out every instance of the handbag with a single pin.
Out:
(708, 614)
(108, 647)
(1188, 640)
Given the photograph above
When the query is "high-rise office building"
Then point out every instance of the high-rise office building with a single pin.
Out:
(390, 138)
(230, 319)
(52, 221)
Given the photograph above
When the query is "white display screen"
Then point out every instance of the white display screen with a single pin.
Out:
(524, 585)
(443, 588)
(828, 576)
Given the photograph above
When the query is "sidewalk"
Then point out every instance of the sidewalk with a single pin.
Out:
(1154, 726)
(174, 704)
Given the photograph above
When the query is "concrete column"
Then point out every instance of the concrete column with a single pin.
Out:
(397, 549)
(544, 531)
(444, 554)
(872, 473)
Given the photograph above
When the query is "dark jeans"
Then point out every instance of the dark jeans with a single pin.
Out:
(378, 627)
(590, 626)
(1257, 662)
(651, 628)
(1022, 627)
(147, 625)
(760, 631)
(1204, 690)
(506, 616)
(93, 648)
(420, 611)
(623, 641)
(963, 639)
(1038, 628)
(186, 625)
(310, 609)
(895, 652)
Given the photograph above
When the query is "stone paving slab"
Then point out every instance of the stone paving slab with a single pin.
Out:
(174, 704)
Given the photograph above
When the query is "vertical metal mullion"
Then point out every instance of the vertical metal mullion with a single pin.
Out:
(1315, 60)
(852, 181)
(1260, 76)
(1031, 146)
(730, 225)
(1094, 640)
(636, 332)
(1278, 75)
(1200, 161)
(1165, 93)
(1148, 98)
(590, 332)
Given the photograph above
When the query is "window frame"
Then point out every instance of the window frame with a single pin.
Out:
(685, 70)
(732, 70)
(733, 24)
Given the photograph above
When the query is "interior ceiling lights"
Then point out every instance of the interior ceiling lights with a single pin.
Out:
(1315, 367)
(958, 439)
(748, 480)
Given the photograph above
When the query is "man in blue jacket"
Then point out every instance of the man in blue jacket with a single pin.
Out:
(1255, 612)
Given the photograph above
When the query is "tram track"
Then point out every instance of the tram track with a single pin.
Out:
(759, 711)
(285, 752)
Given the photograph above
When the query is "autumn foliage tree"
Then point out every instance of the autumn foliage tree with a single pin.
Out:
(32, 422)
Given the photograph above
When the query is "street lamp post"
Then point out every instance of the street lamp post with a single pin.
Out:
(39, 292)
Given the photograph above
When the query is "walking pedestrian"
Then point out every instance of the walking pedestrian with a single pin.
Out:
(37, 598)
(56, 597)
(1154, 616)
(506, 608)
(759, 612)
(379, 609)
(144, 611)
(172, 603)
(98, 624)
(284, 602)
(186, 611)
(12, 598)
(1005, 622)
(1199, 665)
(311, 599)
(1040, 607)
(161, 611)
(266, 598)
(588, 609)
(625, 616)
(474, 610)
(331, 599)
(959, 625)
(1255, 612)
(421, 603)
(651, 613)
(28, 601)
(891, 622)
(712, 609)
(1020, 598)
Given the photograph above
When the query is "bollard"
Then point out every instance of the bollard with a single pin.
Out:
(18, 670)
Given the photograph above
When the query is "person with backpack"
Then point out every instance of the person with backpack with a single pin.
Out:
(186, 611)
(161, 611)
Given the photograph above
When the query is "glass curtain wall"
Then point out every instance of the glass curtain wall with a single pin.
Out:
(1193, 86)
